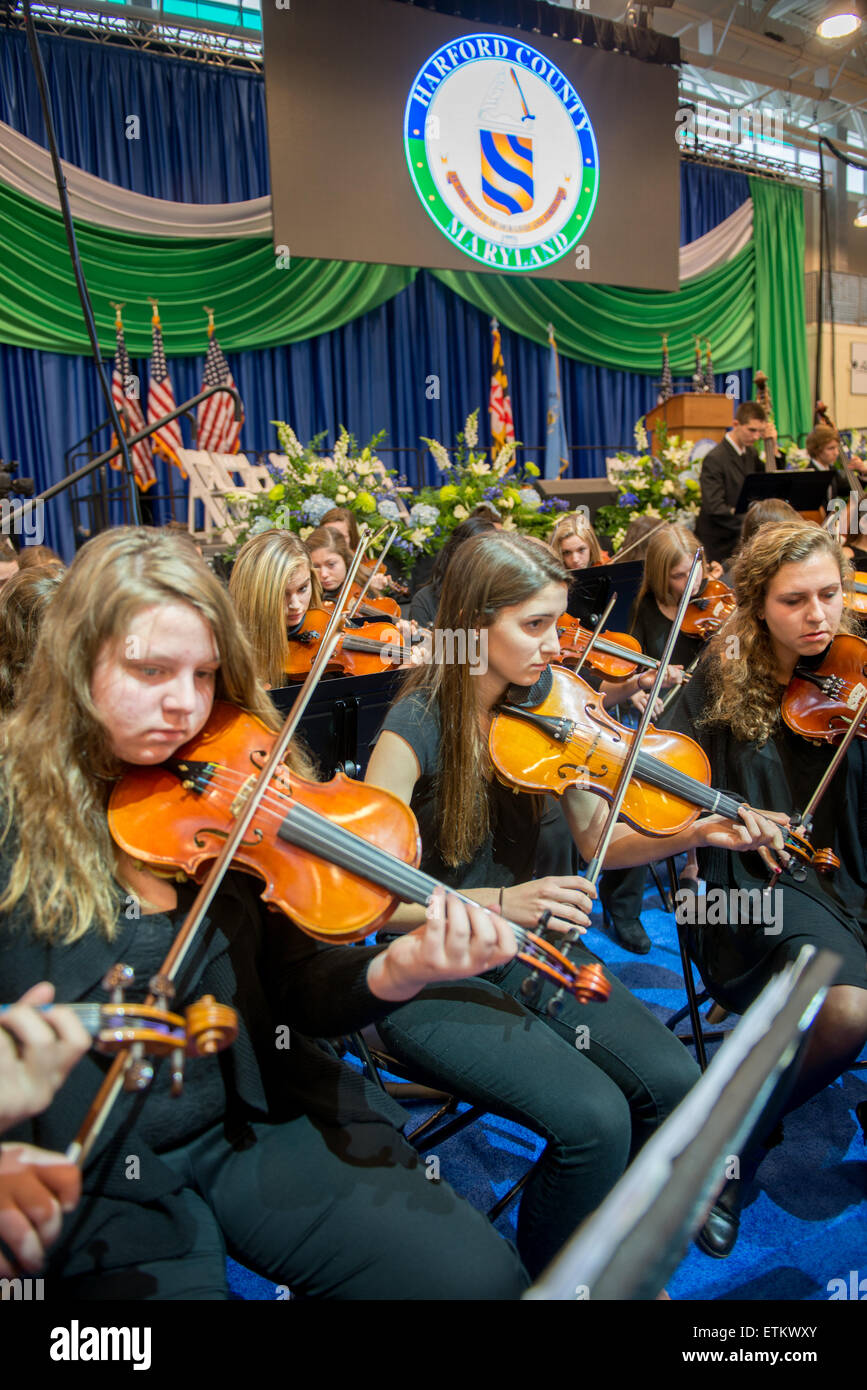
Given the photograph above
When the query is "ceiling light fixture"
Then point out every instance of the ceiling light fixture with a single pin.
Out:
(840, 21)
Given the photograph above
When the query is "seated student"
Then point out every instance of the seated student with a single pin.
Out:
(823, 447)
(577, 547)
(282, 1156)
(23, 602)
(789, 587)
(343, 520)
(273, 584)
(723, 471)
(38, 1049)
(666, 568)
(331, 557)
(575, 543)
(595, 1080)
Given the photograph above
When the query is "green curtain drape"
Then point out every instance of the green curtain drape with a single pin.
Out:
(256, 304)
(780, 339)
(621, 328)
(752, 308)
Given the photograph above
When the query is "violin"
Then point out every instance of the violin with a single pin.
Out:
(393, 586)
(707, 612)
(151, 1030)
(362, 651)
(615, 654)
(568, 739)
(855, 596)
(374, 608)
(821, 703)
(335, 857)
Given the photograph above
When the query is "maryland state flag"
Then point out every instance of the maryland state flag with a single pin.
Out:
(500, 407)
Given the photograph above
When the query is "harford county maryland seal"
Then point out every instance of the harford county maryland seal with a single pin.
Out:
(501, 152)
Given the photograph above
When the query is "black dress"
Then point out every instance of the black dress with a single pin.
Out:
(276, 1150)
(595, 1082)
(736, 958)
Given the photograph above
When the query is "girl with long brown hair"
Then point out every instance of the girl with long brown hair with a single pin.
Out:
(789, 583)
(278, 1153)
(594, 1103)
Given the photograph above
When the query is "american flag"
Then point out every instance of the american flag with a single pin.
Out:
(161, 399)
(218, 430)
(130, 411)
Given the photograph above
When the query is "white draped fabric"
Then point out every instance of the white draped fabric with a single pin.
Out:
(719, 245)
(26, 167)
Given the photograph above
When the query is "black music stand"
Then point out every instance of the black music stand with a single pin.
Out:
(806, 491)
(342, 718)
(623, 579)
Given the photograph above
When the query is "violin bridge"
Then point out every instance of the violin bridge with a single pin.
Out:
(240, 800)
(856, 695)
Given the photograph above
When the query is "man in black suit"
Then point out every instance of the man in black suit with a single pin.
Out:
(723, 471)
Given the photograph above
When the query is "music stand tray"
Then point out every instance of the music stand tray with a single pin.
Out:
(806, 491)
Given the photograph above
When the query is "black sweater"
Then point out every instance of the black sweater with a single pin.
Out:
(275, 977)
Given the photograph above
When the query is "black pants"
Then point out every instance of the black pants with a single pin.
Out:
(342, 1213)
(594, 1084)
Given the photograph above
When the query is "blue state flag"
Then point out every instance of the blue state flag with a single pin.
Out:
(556, 446)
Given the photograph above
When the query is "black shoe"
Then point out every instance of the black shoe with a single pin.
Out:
(631, 935)
(719, 1233)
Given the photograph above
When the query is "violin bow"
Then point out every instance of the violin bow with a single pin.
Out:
(805, 818)
(376, 568)
(618, 556)
(596, 632)
(116, 1076)
(594, 868)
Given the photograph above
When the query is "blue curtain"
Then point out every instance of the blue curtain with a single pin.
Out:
(414, 367)
(707, 197)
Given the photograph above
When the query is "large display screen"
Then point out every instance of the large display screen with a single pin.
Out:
(403, 137)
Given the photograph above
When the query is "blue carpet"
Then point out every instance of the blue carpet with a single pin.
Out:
(806, 1220)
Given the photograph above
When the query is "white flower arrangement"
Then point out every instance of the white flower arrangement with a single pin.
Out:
(471, 430)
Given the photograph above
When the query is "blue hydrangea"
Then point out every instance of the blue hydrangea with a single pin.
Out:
(667, 502)
(260, 525)
(316, 506)
(388, 510)
(530, 497)
(423, 514)
(628, 499)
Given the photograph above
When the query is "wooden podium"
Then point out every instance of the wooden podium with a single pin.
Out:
(693, 416)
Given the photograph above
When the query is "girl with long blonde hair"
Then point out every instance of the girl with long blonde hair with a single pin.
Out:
(272, 585)
(282, 1155)
(494, 1043)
